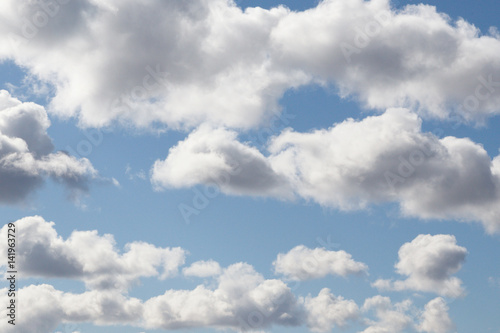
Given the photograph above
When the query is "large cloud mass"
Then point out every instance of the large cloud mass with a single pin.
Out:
(27, 157)
(236, 297)
(385, 158)
(183, 64)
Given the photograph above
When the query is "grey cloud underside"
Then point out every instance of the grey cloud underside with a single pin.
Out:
(353, 164)
(232, 66)
(27, 157)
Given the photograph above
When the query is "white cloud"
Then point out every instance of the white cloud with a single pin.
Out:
(413, 57)
(26, 156)
(385, 158)
(435, 318)
(215, 157)
(41, 308)
(237, 298)
(388, 158)
(87, 256)
(302, 263)
(326, 311)
(391, 318)
(202, 269)
(429, 263)
(243, 299)
(232, 66)
(219, 71)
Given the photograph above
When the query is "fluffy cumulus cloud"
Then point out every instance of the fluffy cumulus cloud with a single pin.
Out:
(215, 157)
(231, 66)
(403, 316)
(385, 158)
(44, 308)
(414, 57)
(390, 318)
(302, 263)
(242, 300)
(435, 318)
(429, 262)
(202, 269)
(27, 157)
(219, 71)
(88, 256)
(236, 297)
(327, 311)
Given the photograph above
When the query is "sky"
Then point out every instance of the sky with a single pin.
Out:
(250, 166)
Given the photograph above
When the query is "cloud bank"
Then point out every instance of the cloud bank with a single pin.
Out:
(351, 165)
(236, 297)
(232, 66)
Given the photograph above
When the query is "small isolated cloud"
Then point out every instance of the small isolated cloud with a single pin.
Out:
(351, 165)
(429, 263)
(27, 157)
(88, 256)
(134, 175)
(435, 318)
(302, 263)
(202, 269)
(494, 282)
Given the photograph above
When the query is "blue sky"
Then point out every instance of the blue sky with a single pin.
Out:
(257, 102)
